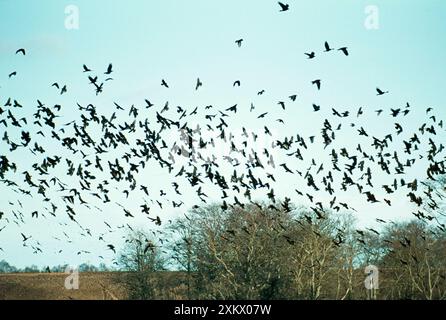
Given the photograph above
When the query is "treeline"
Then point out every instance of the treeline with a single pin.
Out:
(278, 252)
(5, 267)
(261, 252)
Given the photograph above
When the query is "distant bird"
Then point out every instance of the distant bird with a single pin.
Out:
(199, 84)
(109, 69)
(311, 55)
(262, 115)
(164, 83)
(86, 68)
(317, 83)
(344, 50)
(239, 42)
(236, 83)
(233, 108)
(148, 246)
(12, 74)
(260, 92)
(380, 92)
(93, 80)
(327, 47)
(316, 107)
(25, 238)
(111, 247)
(282, 104)
(293, 97)
(127, 213)
(371, 197)
(21, 50)
(148, 104)
(284, 6)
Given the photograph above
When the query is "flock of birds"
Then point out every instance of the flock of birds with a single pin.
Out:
(101, 157)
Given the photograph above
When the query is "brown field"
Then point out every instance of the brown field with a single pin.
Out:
(50, 286)
(92, 286)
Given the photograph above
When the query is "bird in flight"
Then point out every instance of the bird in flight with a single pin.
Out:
(284, 6)
(236, 83)
(12, 74)
(109, 69)
(25, 238)
(86, 69)
(317, 82)
(380, 92)
(282, 104)
(199, 84)
(344, 50)
(310, 55)
(327, 47)
(239, 42)
(21, 50)
(111, 247)
(164, 83)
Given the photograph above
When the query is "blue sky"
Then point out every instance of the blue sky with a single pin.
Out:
(179, 41)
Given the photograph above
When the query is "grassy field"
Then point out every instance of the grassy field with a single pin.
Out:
(92, 286)
(51, 286)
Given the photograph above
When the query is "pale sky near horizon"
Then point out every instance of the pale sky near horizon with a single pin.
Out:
(179, 41)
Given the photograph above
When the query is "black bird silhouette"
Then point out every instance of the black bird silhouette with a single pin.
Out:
(380, 92)
(109, 69)
(282, 104)
(344, 50)
(150, 246)
(283, 6)
(317, 82)
(316, 107)
(86, 68)
(25, 238)
(236, 83)
(239, 42)
(371, 197)
(327, 47)
(233, 108)
(112, 248)
(395, 112)
(21, 50)
(310, 55)
(164, 83)
(148, 104)
(12, 74)
(199, 84)
(93, 80)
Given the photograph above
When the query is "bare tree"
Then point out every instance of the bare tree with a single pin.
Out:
(140, 259)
